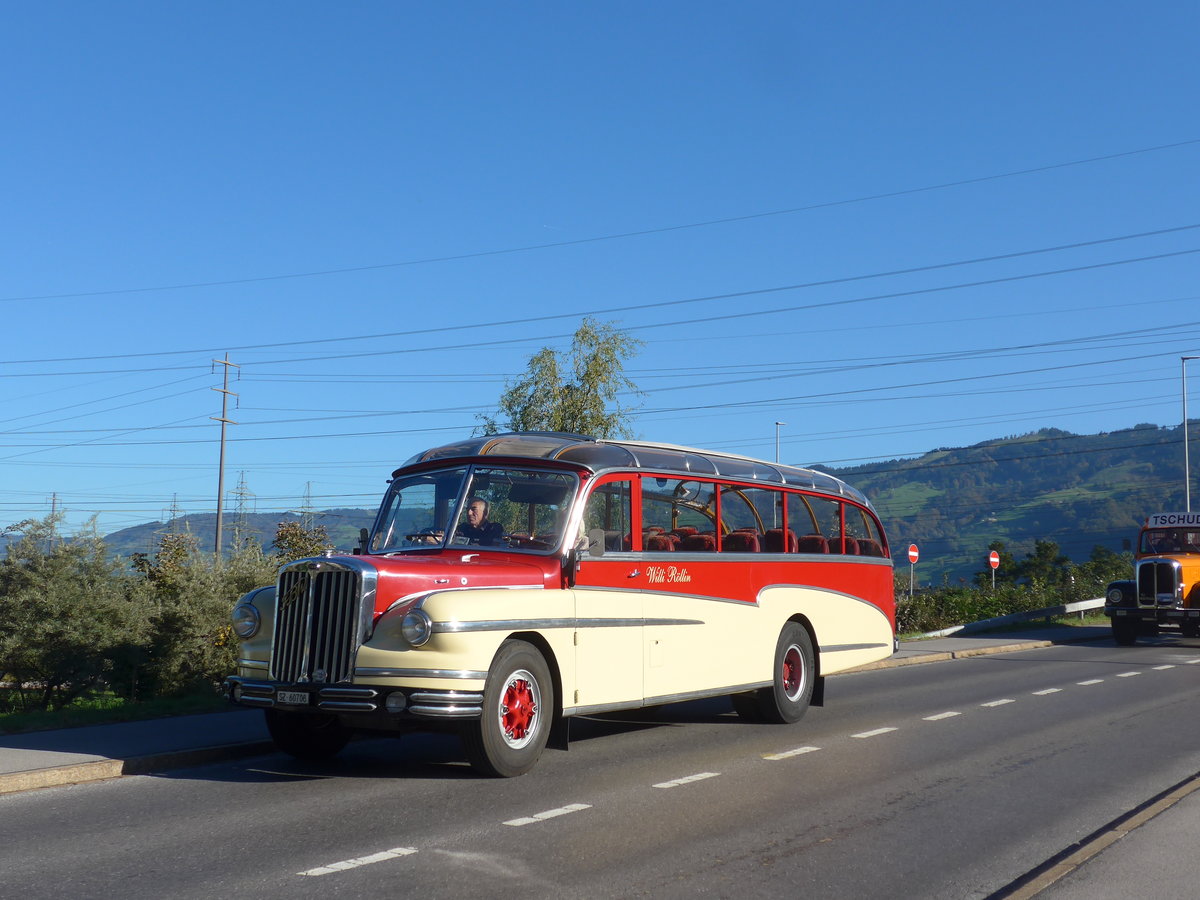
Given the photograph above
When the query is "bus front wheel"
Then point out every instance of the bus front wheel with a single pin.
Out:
(310, 737)
(1125, 630)
(518, 707)
(790, 693)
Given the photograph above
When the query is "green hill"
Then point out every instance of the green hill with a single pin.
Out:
(1079, 491)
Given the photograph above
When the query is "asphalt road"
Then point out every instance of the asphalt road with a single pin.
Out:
(951, 780)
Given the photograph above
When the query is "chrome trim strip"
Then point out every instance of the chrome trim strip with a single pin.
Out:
(447, 712)
(841, 648)
(375, 672)
(454, 698)
(254, 664)
(528, 624)
(422, 595)
(347, 705)
(346, 693)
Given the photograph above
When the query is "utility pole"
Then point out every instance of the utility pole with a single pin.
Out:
(1187, 474)
(224, 420)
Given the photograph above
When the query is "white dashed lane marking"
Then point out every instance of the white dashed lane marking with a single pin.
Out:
(688, 779)
(871, 734)
(548, 814)
(1128, 674)
(1047, 691)
(1003, 702)
(939, 716)
(788, 754)
(382, 856)
(1090, 681)
(1160, 668)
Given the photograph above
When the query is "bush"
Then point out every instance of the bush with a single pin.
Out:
(66, 611)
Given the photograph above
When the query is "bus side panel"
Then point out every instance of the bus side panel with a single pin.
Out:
(849, 631)
(608, 649)
(469, 627)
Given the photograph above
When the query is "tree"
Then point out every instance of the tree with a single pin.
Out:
(1046, 564)
(293, 541)
(1005, 573)
(575, 392)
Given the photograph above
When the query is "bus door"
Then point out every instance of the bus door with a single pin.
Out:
(609, 608)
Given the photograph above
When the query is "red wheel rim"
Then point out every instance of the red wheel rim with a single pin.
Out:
(520, 705)
(792, 672)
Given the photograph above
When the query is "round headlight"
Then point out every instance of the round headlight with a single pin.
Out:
(246, 620)
(416, 627)
(1114, 596)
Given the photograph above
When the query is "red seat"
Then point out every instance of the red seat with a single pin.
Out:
(693, 543)
(813, 543)
(740, 542)
(658, 543)
(773, 541)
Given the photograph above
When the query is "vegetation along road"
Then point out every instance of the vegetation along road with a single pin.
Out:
(949, 780)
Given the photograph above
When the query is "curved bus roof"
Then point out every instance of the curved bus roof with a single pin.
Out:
(600, 455)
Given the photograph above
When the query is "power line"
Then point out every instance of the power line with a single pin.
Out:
(608, 237)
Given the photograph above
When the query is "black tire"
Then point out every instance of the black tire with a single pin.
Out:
(518, 710)
(795, 669)
(1125, 630)
(309, 737)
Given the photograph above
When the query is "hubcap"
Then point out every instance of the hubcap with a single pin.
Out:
(519, 708)
(793, 672)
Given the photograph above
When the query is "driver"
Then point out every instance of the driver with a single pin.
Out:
(477, 529)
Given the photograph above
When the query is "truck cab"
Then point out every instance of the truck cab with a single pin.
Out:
(1165, 589)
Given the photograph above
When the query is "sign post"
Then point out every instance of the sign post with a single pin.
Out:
(913, 555)
(994, 562)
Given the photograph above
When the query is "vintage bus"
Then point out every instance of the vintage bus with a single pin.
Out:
(1165, 589)
(513, 581)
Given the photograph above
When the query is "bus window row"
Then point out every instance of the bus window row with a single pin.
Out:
(687, 515)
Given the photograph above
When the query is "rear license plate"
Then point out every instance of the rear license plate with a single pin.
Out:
(292, 698)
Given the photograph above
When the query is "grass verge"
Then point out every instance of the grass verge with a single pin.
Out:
(107, 709)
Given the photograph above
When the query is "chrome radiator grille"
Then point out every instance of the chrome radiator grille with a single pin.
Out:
(318, 623)
(1158, 582)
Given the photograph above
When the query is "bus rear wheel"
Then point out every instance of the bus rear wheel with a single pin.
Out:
(788, 697)
(518, 707)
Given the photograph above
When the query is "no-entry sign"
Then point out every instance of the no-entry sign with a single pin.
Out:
(913, 553)
(994, 559)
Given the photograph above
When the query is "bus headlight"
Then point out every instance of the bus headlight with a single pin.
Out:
(416, 627)
(1114, 596)
(246, 620)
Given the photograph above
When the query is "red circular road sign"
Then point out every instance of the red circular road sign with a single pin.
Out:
(913, 554)
(994, 559)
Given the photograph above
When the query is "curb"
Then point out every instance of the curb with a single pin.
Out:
(101, 769)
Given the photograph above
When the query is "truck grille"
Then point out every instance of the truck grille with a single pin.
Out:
(1158, 582)
(320, 620)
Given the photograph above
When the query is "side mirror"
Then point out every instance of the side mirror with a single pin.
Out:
(363, 537)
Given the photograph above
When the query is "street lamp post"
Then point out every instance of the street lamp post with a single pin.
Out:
(777, 424)
(1187, 475)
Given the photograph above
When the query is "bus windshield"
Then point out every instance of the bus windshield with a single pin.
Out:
(1170, 540)
(500, 507)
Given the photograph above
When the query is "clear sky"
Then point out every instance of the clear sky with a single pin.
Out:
(891, 226)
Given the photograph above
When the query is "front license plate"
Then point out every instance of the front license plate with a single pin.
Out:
(292, 698)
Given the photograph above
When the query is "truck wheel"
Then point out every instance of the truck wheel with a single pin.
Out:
(787, 699)
(1125, 631)
(311, 738)
(518, 708)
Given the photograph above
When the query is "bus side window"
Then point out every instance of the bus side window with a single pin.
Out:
(861, 526)
(609, 510)
(817, 521)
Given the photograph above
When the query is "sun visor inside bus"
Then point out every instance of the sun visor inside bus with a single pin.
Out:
(540, 494)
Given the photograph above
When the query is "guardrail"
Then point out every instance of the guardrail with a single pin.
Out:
(1050, 612)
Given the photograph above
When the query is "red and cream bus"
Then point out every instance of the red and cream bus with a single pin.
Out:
(513, 581)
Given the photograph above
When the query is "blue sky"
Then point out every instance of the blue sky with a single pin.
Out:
(381, 210)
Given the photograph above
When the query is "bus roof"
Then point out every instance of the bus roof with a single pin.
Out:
(601, 455)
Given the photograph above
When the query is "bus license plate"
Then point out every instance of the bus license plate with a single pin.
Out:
(292, 698)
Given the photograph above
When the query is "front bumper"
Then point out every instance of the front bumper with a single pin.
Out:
(388, 703)
(1161, 615)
